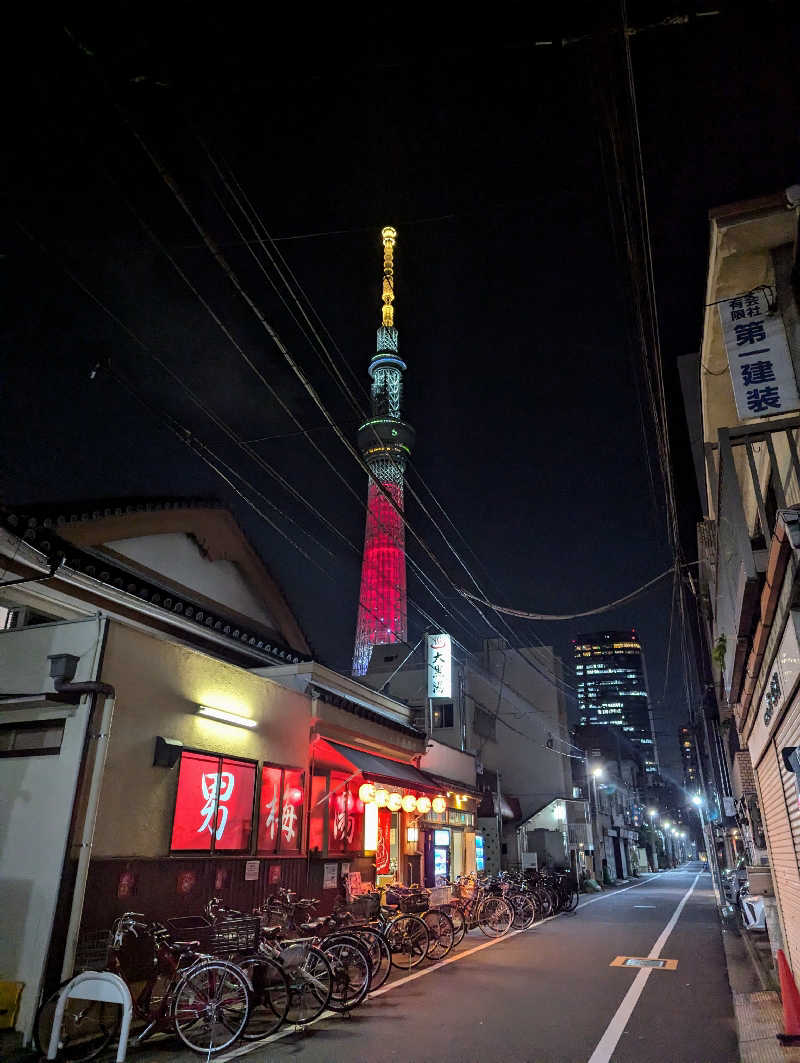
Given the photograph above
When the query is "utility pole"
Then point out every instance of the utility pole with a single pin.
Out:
(499, 826)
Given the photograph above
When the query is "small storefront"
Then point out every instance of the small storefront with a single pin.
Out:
(447, 840)
(370, 809)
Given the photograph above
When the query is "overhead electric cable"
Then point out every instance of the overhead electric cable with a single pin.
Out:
(524, 615)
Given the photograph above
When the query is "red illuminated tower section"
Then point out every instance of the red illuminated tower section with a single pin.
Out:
(385, 440)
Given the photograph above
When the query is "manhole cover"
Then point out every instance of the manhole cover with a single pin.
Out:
(644, 961)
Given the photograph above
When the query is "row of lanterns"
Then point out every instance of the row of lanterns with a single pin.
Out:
(394, 801)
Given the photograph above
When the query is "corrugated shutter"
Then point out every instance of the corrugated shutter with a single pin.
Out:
(778, 795)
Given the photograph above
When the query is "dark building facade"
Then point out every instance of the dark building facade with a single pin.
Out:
(612, 688)
(691, 775)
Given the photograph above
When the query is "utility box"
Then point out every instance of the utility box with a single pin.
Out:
(760, 879)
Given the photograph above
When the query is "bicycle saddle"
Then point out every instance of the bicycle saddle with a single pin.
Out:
(312, 925)
(271, 933)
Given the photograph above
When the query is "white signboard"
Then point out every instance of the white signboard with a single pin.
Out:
(329, 876)
(251, 870)
(785, 670)
(440, 664)
(758, 356)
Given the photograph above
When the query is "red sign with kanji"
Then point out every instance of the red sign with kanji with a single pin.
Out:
(281, 813)
(346, 816)
(383, 854)
(214, 805)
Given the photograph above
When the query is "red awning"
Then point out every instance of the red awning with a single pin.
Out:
(379, 769)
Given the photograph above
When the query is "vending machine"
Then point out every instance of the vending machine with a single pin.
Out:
(441, 857)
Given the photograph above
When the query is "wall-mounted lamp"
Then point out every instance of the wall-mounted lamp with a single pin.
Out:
(412, 835)
(167, 752)
(226, 717)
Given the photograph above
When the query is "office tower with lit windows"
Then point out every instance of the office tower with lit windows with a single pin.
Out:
(385, 442)
(691, 774)
(612, 687)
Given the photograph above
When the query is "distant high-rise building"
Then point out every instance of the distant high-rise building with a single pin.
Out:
(612, 687)
(691, 775)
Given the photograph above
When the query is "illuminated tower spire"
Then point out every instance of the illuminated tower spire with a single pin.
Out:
(385, 441)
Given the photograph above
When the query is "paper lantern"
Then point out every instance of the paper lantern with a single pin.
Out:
(409, 803)
(366, 792)
(395, 802)
(423, 805)
(381, 798)
(439, 804)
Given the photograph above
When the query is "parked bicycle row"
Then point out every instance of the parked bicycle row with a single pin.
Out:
(224, 975)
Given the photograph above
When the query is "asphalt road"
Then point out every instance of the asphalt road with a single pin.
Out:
(550, 994)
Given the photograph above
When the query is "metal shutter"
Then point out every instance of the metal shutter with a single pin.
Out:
(781, 840)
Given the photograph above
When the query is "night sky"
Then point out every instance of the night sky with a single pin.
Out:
(486, 152)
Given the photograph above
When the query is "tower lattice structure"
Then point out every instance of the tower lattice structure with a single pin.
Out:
(385, 441)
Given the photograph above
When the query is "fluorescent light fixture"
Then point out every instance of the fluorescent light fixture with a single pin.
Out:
(226, 717)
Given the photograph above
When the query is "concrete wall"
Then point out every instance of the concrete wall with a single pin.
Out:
(176, 556)
(36, 799)
(159, 685)
(449, 763)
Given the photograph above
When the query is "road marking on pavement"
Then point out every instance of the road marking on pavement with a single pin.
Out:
(644, 906)
(253, 1046)
(644, 961)
(608, 1042)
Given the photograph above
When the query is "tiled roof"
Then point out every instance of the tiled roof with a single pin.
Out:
(40, 525)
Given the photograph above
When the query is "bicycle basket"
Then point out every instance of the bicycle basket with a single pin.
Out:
(91, 953)
(408, 903)
(232, 935)
(365, 906)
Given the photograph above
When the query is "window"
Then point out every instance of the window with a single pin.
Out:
(40, 738)
(280, 815)
(485, 724)
(443, 715)
(214, 804)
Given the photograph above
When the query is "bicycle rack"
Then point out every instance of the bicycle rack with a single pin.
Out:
(94, 985)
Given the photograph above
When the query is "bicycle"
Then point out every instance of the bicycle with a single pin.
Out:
(415, 900)
(205, 1001)
(347, 954)
(492, 914)
(308, 973)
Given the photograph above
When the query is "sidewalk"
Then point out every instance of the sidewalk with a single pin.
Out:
(758, 1010)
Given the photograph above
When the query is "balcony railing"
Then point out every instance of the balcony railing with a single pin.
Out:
(753, 472)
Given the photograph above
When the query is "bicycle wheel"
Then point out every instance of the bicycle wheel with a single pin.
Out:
(380, 955)
(544, 901)
(269, 996)
(351, 971)
(571, 899)
(495, 917)
(210, 1006)
(441, 933)
(407, 937)
(86, 1029)
(456, 916)
(310, 982)
(524, 910)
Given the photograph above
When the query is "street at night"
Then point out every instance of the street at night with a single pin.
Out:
(548, 993)
(400, 535)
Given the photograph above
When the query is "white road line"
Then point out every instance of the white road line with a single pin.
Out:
(245, 1049)
(608, 1042)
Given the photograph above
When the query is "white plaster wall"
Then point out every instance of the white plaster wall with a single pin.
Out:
(175, 556)
(36, 799)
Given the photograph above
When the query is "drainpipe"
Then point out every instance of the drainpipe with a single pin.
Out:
(62, 669)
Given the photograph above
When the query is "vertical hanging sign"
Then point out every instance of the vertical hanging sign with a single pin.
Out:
(439, 666)
(758, 356)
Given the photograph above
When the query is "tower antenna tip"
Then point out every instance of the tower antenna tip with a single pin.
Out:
(389, 236)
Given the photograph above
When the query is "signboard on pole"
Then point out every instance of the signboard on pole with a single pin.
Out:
(758, 357)
(440, 666)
